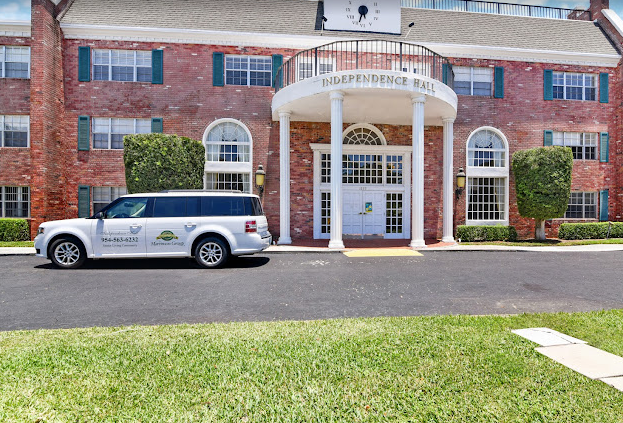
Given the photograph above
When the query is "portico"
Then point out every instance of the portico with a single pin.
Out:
(393, 175)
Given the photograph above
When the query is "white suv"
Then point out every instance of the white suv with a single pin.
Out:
(209, 226)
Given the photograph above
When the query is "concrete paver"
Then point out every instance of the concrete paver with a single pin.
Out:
(382, 252)
(547, 337)
(584, 359)
(615, 382)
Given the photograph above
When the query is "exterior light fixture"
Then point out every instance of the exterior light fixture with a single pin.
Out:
(460, 182)
(260, 179)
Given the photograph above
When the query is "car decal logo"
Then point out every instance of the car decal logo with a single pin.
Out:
(167, 236)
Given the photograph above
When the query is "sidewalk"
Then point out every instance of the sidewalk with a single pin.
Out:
(320, 246)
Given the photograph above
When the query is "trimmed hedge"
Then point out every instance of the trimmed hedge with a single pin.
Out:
(14, 230)
(156, 162)
(486, 233)
(591, 230)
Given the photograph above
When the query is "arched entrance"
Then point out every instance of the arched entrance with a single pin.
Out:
(376, 180)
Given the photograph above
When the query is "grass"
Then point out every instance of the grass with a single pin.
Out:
(17, 244)
(416, 369)
(548, 242)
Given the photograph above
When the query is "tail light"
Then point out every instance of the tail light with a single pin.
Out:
(250, 226)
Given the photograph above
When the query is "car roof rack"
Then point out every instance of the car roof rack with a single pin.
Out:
(234, 191)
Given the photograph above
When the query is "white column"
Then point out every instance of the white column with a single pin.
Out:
(337, 103)
(448, 180)
(417, 170)
(284, 178)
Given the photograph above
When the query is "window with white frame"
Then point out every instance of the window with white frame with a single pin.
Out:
(486, 149)
(248, 70)
(228, 148)
(102, 196)
(575, 86)
(473, 81)
(108, 133)
(582, 144)
(582, 205)
(14, 62)
(122, 65)
(487, 177)
(15, 201)
(14, 131)
(307, 67)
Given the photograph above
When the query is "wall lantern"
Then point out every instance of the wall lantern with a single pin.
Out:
(460, 182)
(260, 179)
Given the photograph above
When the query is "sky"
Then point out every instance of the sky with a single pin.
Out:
(20, 9)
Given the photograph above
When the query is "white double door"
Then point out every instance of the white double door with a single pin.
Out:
(364, 212)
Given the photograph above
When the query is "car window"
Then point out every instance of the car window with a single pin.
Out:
(222, 206)
(126, 208)
(253, 206)
(193, 206)
(169, 207)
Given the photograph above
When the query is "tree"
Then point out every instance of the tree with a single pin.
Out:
(543, 184)
(156, 162)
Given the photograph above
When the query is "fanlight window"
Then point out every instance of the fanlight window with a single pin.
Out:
(486, 149)
(228, 142)
(363, 136)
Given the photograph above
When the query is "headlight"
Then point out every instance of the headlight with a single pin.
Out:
(40, 230)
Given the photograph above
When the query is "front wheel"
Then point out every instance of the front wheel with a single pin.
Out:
(211, 253)
(67, 253)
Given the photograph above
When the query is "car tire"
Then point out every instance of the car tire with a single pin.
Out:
(67, 253)
(211, 253)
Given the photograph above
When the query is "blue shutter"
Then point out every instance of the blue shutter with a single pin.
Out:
(548, 84)
(84, 64)
(604, 95)
(156, 125)
(218, 70)
(604, 147)
(603, 205)
(444, 73)
(277, 62)
(156, 67)
(84, 201)
(84, 133)
(548, 138)
(499, 82)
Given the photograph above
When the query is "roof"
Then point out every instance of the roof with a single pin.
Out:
(301, 17)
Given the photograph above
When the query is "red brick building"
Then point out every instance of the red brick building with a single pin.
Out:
(406, 96)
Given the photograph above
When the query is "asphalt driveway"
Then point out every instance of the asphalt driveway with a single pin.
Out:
(33, 294)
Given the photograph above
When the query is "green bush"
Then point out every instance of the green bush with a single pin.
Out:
(486, 233)
(14, 230)
(591, 230)
(156, 162)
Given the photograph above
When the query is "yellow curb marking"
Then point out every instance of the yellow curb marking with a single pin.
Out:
(382, 252)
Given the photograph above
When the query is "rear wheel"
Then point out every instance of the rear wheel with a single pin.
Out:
(211, 253)
(67, 253)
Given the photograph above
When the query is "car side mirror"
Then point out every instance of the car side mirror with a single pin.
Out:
(99, 215)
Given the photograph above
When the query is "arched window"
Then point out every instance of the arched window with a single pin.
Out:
(363, 134)
(228, 145)
(487, 177)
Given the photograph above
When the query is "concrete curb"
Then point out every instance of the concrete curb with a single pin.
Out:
(287, 249)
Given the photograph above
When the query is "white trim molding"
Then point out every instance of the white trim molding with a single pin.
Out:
(15, 29)
(253, 39)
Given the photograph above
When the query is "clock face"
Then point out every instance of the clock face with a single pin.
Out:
(363, 15)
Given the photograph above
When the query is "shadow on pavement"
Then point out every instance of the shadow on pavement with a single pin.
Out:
(247, 262)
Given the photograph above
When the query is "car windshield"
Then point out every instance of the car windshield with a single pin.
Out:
(126, 208)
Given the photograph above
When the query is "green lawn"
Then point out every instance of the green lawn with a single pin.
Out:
(418, 369)
(17, 244)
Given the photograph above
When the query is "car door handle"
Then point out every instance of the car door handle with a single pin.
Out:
(190, 224)
(136, 226)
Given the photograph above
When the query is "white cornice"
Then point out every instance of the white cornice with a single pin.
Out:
(297, 42)
(15, 28)
(614, 19)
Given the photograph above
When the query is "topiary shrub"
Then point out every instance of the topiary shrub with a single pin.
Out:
(543, 184)
(486, 233)
(156, 162)
(601, 230)
(14, 230)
